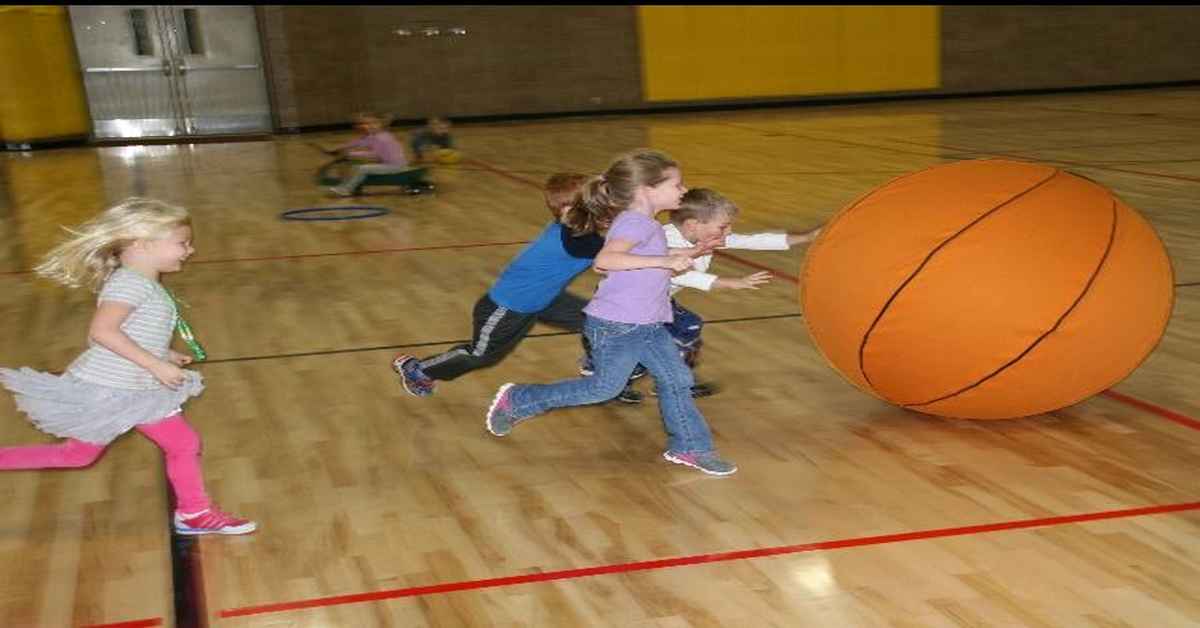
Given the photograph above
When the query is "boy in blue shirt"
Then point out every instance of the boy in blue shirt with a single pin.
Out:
(530, 289)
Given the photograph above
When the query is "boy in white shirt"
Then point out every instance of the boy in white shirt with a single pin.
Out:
(704, 215)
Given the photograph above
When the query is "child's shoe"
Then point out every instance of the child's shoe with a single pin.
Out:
(707, 462)
(500, 421)
(698, 390)
(212, 521)
(629, 395)
(586, 370)
(415, 381)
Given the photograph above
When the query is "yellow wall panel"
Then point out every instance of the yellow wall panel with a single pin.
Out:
(41, 89)
(709, 52)
(921, 57)
(812, 59)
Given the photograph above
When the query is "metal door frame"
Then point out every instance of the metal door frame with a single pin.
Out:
(166, 21)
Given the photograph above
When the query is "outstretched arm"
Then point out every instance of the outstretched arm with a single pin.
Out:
(749, 282)
(616, 256)
(804, 237)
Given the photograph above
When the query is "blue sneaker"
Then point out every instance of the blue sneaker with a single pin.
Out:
(500, 421)
(415, 381)
(707, 462)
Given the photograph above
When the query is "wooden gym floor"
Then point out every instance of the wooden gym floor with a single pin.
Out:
(381, 509)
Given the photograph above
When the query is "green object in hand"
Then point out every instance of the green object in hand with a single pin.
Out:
(185, 332)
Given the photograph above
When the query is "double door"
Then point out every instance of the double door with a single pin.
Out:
(167, 71)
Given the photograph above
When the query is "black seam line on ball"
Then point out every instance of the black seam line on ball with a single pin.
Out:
(1112, 235)
(883, 310)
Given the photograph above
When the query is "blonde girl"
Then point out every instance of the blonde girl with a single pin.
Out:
(128, 378)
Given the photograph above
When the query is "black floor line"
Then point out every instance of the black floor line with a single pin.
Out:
(187, 581)
(435, 343)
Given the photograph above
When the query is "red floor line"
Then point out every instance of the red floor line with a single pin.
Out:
(570, 574)
(1169, 415)
(1082, 164)
(503, 173)
(137, 623)
(402, 249)
(745, 262)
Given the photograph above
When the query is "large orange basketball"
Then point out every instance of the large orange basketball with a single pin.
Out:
(987, 289)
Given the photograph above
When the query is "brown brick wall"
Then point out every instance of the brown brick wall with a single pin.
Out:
(991, 48)
(326, 62)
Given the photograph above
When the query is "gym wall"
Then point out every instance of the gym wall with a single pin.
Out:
(41, 90)
(326, 62)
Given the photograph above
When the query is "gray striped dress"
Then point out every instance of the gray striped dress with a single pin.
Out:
(103, 395)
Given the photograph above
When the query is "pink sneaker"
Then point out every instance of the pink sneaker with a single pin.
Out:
(213, 521)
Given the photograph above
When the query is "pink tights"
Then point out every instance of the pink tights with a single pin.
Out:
(179, 442)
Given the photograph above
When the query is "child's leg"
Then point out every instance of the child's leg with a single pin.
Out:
(359, 175)
(685, 331)
(181, 450)
(614, 348)
(564, 312)
(70, 453)
(687, 431)
(497, 331)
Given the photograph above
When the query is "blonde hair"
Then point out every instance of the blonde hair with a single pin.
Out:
(94, 252)
(605, 196)
(704, 205)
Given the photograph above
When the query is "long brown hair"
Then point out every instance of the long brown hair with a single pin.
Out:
(606, 195)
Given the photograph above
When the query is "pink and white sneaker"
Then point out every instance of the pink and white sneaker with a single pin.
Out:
(212, 521)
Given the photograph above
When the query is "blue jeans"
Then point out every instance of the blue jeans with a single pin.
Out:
(686, 327)
(616, 349)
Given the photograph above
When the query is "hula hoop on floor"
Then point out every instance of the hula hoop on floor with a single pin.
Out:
(339, 212)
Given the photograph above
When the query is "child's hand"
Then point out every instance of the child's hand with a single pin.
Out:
(170, 375)
(678, 262)
(749, 282)
(177, 358)
(804, 238)
(708, 246)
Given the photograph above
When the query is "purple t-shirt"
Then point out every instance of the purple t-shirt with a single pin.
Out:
(639, 296)
(385, 148)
